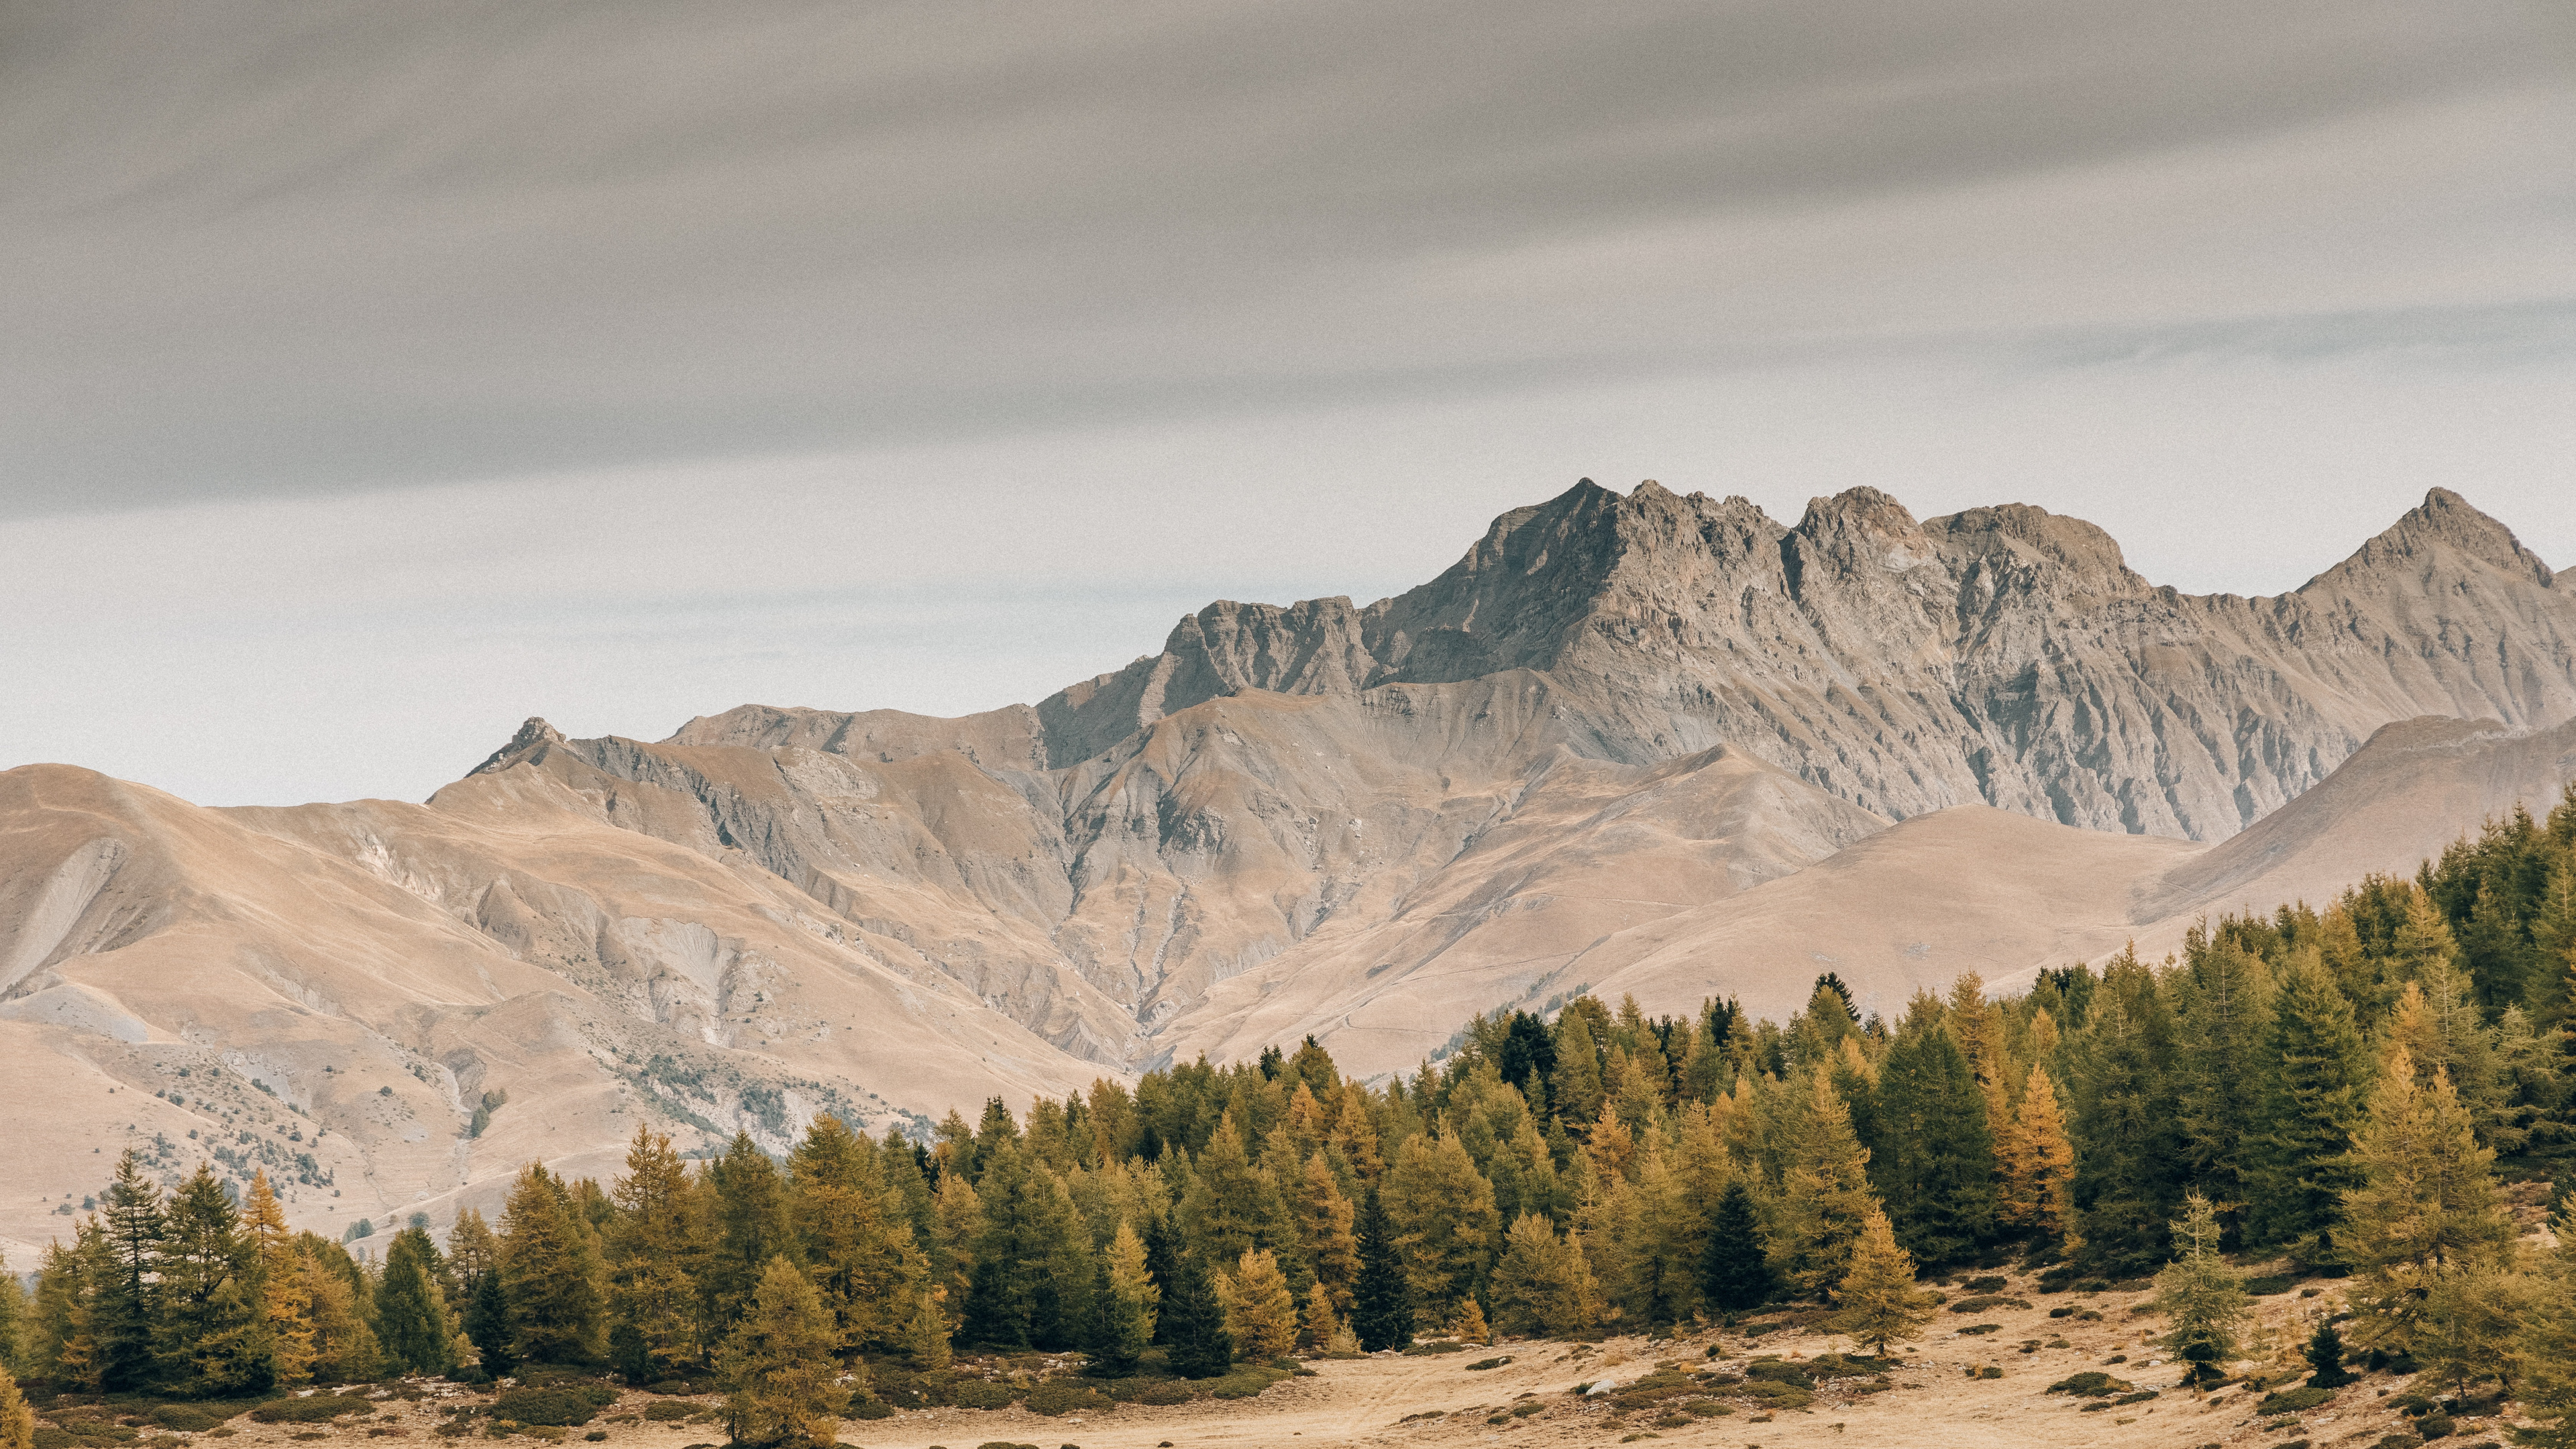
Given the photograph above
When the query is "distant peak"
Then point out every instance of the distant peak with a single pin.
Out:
(534, 734)
(2446, 520)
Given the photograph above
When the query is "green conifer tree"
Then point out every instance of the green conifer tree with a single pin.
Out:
(1382, 1300)
(1124, 1300)
(2223, 1023)
(127, 1302)
(781, 1380)
(1445, 1224)
(1932, 1156)
(1193, 1322)
(17, 1421)
(550, 1274)
(2426, 1204)
(2312, 1098)
(1824, 1195)
(2203, 1300)
(413, 1325)
(1734, 1267)
(653, 1254)
(487, 1325)
(2324, 1354)
(859, 1254)
(751, 1228)
(1876, 1299)
(208, 1341)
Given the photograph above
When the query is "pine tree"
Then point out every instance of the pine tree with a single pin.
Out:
(1324, 1229)
(550, 1274)
(344, 1343)
(2202, 1299)
(1542, 1285)
(2471, 1314)
(1735, 1267)
(925, 1333)
(2324, 1354)
(1192, 1323)
(210, 1338)
(1932, 1155)
(751, 1228)
(1260, 1311)
(1232, 1205)
(13, 1319)
(1382, 1299)
(2039, 1169)
(17, 1421)
(652, 1256)
(778, 1367)
(1123, 1306)
(487, 1325)
(1824, 1195)
(66, 1308)
(1444, 1221)
(2546, 1351)
(1876, 1299)
(2130, 1152)
(1575, 1091)
(2224, 1018)
(2312, 1097)
(284, 1303)
(2426, 1203)
(861, 1258)
(413, 1325)
(128, 1295)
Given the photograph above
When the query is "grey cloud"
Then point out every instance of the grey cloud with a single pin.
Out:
(277, 248)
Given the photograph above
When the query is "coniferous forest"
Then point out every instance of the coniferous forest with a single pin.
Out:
(2355, 1089)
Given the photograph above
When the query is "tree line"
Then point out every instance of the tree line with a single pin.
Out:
(2336, 1086)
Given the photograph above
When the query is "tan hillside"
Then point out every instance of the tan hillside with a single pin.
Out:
(1648, 743)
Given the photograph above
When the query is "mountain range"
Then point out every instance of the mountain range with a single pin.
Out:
(1651, 744)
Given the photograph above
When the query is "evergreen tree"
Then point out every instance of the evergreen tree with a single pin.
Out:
(925, 1334)
(65, 1323)
(2471, 1314)
(1542, 1285)
(285, 1305)
(550, 1274)
(1876, 1299)
(2426, 1203)
(2324, 1354)
(2130, 1153)
(1260, 1311)
(1320, 1328)
(2546, 1351)
(13, 1320)
(2038, 1190)
(781, 1382)
(1445, 1226)
(17, 1421)
(2223, 1021)
(751, 1228)
(413, 1325)
(860, 1256)
(1575, 1091)
(1324, 1229)
(128, 1296)
(208, 1341)
(652, 1254)
(1192, 1322)
(1123, 1306)
(2202, 1299)
(344, 1343)
(1031, 1285)
(1932, 1155)
(1382, 1299)
(487, 1325)
(1735, 1267)
(1824, 1195)
(2312, 1097)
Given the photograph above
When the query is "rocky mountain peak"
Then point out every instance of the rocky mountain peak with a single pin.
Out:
(2444, 523)
(534, 735)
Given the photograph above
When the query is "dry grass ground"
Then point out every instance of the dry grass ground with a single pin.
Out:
(1935, 1398)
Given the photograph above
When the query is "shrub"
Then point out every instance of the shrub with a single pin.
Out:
(319, 1409)
(553, 1408)
(2292, 1401)
(1990, 1284)
(193, 1418)
(1976, 1328)
(1776, 1371)
(978, 1394)
(2091, 1384)
(870, 1407)
(1488, 1363)
(2433, 1426)
(2270, 1287)
(668, 1411)
(1060, 1398)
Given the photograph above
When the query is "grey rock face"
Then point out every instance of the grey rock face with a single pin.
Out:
(2002, 655)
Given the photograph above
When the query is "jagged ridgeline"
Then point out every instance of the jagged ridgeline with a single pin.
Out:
(2347, 1088)
(1648, 745)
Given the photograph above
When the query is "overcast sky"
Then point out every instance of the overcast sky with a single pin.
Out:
(372, 376)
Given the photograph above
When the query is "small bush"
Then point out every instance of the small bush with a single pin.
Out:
(1777, 1371)
(1059, 1398)
(193, 1418)
(1990, 1284)
(871, 1407)
(2091, 1384)
(1488, 1363)
(2272, 1286)
(552, 1408)
(668, 1411)
(596, 1436)
(2293, 1401)
(977, 1394)
(2434, 1426)
(319, 1409)
(1974, 1329)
